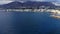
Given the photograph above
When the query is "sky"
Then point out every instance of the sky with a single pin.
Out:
(8, 1)
(29, 0)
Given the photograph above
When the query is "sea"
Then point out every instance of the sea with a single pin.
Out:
(28, 23)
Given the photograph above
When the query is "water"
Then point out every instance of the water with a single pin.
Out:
(28, 23)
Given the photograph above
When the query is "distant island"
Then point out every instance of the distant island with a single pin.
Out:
(29, 5)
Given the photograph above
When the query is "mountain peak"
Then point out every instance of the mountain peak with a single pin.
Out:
(15, 2)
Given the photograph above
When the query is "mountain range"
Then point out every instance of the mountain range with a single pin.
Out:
(28, 4)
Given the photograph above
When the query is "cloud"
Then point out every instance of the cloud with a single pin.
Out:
(4, 2)
(57, 4)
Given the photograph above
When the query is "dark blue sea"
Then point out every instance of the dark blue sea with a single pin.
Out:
(28, 23)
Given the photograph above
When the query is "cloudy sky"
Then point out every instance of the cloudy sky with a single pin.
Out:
(8, 1)
(29, 0)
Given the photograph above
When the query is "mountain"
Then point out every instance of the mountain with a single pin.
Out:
(28, 4)
(12, 5)
(38, 4)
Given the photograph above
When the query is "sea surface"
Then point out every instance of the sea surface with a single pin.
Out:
(28, 23)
